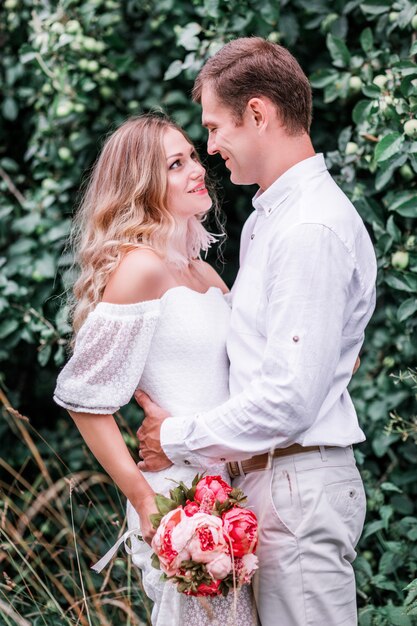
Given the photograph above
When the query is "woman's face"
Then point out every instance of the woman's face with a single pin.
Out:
(186, 192)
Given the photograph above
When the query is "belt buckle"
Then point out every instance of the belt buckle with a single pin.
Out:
(235, 469)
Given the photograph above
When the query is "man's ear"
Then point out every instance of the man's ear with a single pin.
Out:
(257, 111)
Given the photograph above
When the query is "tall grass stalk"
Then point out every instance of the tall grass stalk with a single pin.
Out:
(58, 514)
(78, 557)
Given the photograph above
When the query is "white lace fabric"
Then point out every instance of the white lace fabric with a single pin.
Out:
(109, 356)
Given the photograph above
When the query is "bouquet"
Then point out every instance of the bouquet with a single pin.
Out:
(205, 539)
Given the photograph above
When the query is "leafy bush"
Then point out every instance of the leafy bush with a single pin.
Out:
(72, 70)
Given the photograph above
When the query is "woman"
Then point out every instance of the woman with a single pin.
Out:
(149, 312)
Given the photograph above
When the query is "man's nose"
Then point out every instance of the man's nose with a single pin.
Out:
(211, 145)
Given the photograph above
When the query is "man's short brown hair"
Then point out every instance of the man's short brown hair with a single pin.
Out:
(251, 67)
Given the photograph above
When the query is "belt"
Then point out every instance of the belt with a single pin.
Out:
(263, 461)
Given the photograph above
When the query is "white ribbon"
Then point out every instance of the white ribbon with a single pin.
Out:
(101, 564)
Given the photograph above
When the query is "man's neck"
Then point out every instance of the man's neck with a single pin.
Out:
(283, 154)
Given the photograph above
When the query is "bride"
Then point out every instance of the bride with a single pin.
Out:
(149, 312)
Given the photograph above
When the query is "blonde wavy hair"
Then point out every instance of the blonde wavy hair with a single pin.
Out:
(124, 207)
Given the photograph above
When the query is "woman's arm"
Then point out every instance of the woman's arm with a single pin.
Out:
(103, 437)
(137, 279)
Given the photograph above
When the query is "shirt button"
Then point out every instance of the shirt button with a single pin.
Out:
(186, 462)
(252, 236)
(296, 338)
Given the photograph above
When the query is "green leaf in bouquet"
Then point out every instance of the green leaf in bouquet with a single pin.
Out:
(183, 586)
(164, 504)
(237, 496)
(178, 495)
(191, 493)
(197, 479)
(220, 507)
(226, 584)
(155, 519)
(155, 561)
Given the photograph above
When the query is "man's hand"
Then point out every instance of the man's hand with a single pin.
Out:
(149, 434)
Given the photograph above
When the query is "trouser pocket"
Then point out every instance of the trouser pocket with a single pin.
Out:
(347, 498)
(285, 497)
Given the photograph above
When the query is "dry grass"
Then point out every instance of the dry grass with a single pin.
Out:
(54, 523)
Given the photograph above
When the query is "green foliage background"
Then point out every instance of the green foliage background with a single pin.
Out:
(73, 70)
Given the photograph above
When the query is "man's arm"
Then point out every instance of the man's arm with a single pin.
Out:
(307, 299)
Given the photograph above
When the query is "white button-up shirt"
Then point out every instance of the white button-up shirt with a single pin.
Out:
(303, 296)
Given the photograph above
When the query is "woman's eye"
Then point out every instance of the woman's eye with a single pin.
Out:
(175, 165)
(194, 156)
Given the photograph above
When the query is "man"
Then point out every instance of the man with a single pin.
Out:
(300, 304)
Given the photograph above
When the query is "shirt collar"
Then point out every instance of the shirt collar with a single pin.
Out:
(268, 200)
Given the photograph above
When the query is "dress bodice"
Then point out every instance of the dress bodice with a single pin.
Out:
(187, 369)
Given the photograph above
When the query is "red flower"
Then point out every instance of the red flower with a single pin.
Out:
(213, 589)
(191, 508)
(241, 527)
(210, 489)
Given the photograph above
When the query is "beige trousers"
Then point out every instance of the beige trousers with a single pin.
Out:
(311, 508)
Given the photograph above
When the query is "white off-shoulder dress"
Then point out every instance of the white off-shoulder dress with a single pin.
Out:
(174, 349)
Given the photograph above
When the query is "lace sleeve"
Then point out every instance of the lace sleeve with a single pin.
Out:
(109, 356)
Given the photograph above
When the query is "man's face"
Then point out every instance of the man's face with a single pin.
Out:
(236, 144)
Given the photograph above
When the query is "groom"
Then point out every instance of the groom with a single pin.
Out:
(300, 304)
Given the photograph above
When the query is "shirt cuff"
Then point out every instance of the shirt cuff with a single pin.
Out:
(173, 442)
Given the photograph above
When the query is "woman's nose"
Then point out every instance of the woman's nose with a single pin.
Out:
(198, 170)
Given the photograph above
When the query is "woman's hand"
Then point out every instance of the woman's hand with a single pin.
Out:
(144, 509)
(356, 366)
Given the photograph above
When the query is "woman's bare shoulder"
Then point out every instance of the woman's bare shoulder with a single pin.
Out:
(140, 276)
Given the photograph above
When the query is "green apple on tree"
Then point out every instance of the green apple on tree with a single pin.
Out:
(400, 260)
(410, 128)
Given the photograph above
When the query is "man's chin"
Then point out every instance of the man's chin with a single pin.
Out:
(240, 180)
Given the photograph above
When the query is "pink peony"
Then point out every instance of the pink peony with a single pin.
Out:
(241, 527)
(201, 536)
(169, 557)
(191, 508)
(220, 567)
(210, 489)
